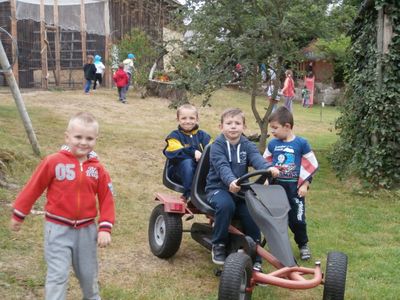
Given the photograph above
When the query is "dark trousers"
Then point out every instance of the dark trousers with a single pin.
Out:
(121, 93)
(99, 78)
(183, 173)
(227, 206)
(297, 213)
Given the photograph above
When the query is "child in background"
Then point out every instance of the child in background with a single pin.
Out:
(99, 71)
(89, 70)
(296, 162)
(185, 146)
(305, 93)
(270, 92)
(129, 68)
(288, 90)
(73, 178)
(230, 156)
(121, 79)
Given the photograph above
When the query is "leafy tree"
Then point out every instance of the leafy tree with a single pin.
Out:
(336, 49)
(249, 32)
(144, 49)
(369, 127)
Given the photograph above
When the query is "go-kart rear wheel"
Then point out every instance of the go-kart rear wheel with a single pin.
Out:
(335, 276)
(165, 232)
(235, 278)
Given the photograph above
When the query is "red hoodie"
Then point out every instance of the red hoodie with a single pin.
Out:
(71, 191)
(120, 78)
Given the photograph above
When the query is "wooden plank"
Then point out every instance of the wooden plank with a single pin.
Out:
(107, 44)
(43, 46)
(14, 33)
(83, 31)
(57, 46)
(387, 33)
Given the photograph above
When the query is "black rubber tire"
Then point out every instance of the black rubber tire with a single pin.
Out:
(165, 232)
(335, 276)
(235, 277)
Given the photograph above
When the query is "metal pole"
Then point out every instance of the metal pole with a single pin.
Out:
(12, 83)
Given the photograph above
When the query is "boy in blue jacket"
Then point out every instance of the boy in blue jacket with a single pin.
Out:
(231, 155)
(185, 146)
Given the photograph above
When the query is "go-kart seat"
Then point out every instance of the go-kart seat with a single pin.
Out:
(198, 194)
(168, 182)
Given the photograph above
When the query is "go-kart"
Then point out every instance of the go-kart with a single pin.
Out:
(269, 207)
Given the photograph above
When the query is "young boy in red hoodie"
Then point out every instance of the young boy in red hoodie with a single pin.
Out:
(73, 178)
(121, 80)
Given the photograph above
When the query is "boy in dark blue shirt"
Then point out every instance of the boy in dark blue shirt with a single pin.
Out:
(296, 162)
(185, 146)
(231, 155)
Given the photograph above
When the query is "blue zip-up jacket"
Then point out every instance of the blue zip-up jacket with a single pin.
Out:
(229, 162)
(182, 145)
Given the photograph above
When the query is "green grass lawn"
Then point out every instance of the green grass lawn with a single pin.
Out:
(340, 217)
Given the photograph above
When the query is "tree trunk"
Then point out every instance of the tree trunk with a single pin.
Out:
(262, 122)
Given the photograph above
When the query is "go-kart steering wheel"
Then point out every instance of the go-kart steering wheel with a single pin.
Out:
(261, 173)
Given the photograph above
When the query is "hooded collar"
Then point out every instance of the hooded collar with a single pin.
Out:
(228, 146)
(91, 154)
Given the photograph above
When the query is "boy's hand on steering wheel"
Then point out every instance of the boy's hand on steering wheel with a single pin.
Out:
(274, 171)
(233, 187)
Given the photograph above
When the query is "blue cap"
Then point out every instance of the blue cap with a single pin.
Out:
(130, 55)
(97, 58)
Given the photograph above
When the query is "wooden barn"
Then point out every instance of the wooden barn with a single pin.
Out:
(55, 36)
(322, 67)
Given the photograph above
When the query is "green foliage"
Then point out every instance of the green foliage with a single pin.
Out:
(336, 49)
(369, 127)
(144, 49)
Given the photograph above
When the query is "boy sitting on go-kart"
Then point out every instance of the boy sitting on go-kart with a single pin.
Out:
(185, 146)
(231, 155)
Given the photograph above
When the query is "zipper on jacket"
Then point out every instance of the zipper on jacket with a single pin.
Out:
(79, 194)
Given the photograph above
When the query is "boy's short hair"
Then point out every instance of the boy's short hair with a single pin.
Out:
(283, 116)
(187, 106)
(85, 118)
(232, 112)
(90, 57)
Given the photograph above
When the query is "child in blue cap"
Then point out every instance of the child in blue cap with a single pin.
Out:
(129, 68)
(99, 71)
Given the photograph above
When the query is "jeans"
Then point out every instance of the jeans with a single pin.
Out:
(87, 85)
(183, 172)
(227, 206)
(121, 93)
(289, 103)
(129, 82)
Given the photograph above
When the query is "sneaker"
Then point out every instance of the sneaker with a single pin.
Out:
(305, 252)
(218, 254)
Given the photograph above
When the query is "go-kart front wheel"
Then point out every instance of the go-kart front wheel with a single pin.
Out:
(235, 277)
(165, 232)
(335, 276)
